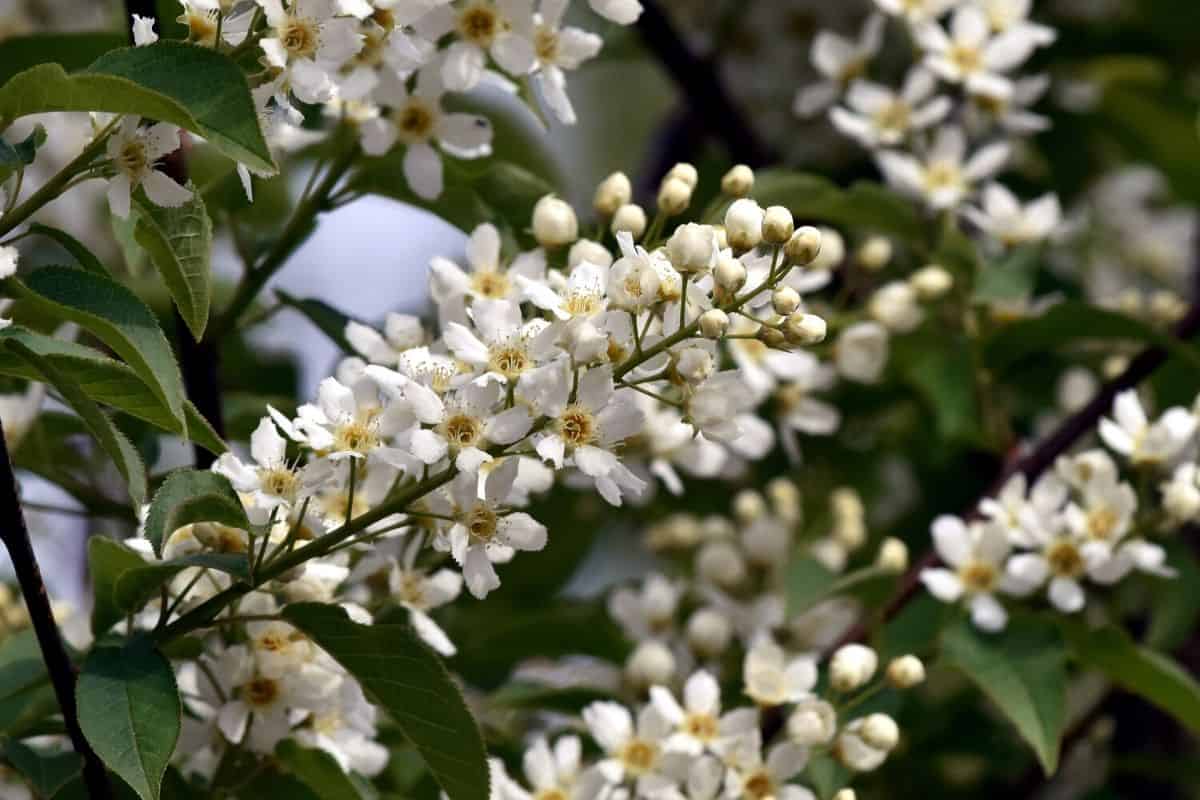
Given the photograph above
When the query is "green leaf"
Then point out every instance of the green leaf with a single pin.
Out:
(107, 381)
(115, 443)
(401, 674)
(179, 243)
(807, 582)
(117, 317)
(1009, 279)
(1141, 670)
(46, 772)
(1023, 670)
(567, 699)
(25, 692)
(193, 87)
(318, 770)
(328, 319)
(107, 561)
(135, 586)
(129, 711)
(188, 496)
(863, 206)
(1175, 613)
(1072, 322)
(71, 50)
(502, 193)
(84, 257)
(17, 156)
(939, 367)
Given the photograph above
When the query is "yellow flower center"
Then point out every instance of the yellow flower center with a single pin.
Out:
(356, 436)
(462, 430)
(279, 481)
(978, 577)
(894, 117)
(481, 522)
(577, 426)
(759, 785)
(492, 284)
(479, 23)
(510, 360)
(1102, 524)
(638, 756)
(1064, 559)
(133, 158)
(967, 59)
(943, 175)
(545, 44)
(260, 692)
(415, 121)
(701, 726)
(300, 36)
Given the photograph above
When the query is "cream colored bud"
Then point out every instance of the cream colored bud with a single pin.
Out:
(905, 672)
(749, 505)
(730, 274)
(801, 328)
(743, 224)
(771, 337)
(714, 323)
(1114, 365)
(631, 219)
(685, 172)
(803, 246)
(721, 563)
(692, 248)
(674, 196)
(715, 526)
(785, 499)
(695, 365)
(813, 722)
(554, 222)
(931, 282)
(845, 794)
(738, 181)
(778, 225)
(1166, 306)
(612, 193)
(650, 664)
(875, 253)
(709, 632)
(880, 731)
(785, 300)
(589, 251)
(833, 250)
(851, 667)
(893, 556)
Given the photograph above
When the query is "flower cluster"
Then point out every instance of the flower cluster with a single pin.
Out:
(949, 126)
(1076, 525)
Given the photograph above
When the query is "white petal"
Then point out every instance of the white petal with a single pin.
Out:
(423, 170)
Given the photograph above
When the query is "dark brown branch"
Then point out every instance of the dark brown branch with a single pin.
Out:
(1042, 457)
(707, 99)
(15, 536)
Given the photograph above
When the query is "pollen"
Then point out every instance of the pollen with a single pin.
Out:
(510, 360)
(577, 426)
(1064, 559)
(978, 577)
(701, 726)
(463, 430)
(893, 117)
(491, 284)
(943, 175)
(1102, 524)
(759, 786)
(639, 756)
(967, 59)
(133, 158)
(279, 481)
(357, 436)
(545, 44)
(481, 522)
(479, 23)
(415, 121)
(300, 36)
(261, 692)
(582, 303)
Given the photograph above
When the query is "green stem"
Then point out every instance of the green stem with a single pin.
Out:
(53, 188)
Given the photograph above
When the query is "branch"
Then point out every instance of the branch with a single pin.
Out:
(1042, 457)
(15, 536)
(707, 99)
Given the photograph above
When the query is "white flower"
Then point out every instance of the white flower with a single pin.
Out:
(648, 612)
(699, 724)
(840, 61)
(975, 555)
(484, 531)
(770, 678)
(502, 29)
(579, 306)
(559, 49)
(1004, 218)
(401, 333)
(347, 731)
(1013, 15)
(852, 667)
(487, 276)
(143, 31)
(8, 261)
(971, 55)
(877, 116)
(622, 12)
(915, 11)
(271, 481)
(1133, 436)
(1019, 515)
(421, 592)
(417, 120)
(552, 773)
(749, 776)
(854, 752)
(895, 306)
(133, 151)
(942, 178)
(633, 753)
(861, 352)
(1181, 494)
(503, 346)
(309, 44)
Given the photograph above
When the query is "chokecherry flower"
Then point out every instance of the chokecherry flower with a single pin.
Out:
(877, 116)
(945, 176)
(133, 152)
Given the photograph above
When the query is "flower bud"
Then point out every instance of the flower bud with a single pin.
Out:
(766, 542)
(851, 667)
(813, 722)
(845, 794)
(694, 365)
(592, 252)
(674, 196)
(804, 246)
(721, 563)
(554, 222)
(748, 505)
(778, 225)
(893, 556)
(875, 253)
(692, 248)
(650, 664)
(631, 219)
(785, 300)
(833, 250)
(738, 181)
(730, 274)
(714, 323)
(709, 632)
(931, 282)
(612, 193)
(1166, 307)
(743, 224)
(880, 731)
(803, 328)
(905, 672)
(894, 305)
(786, 499)
(771, 337)
(685, 172)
